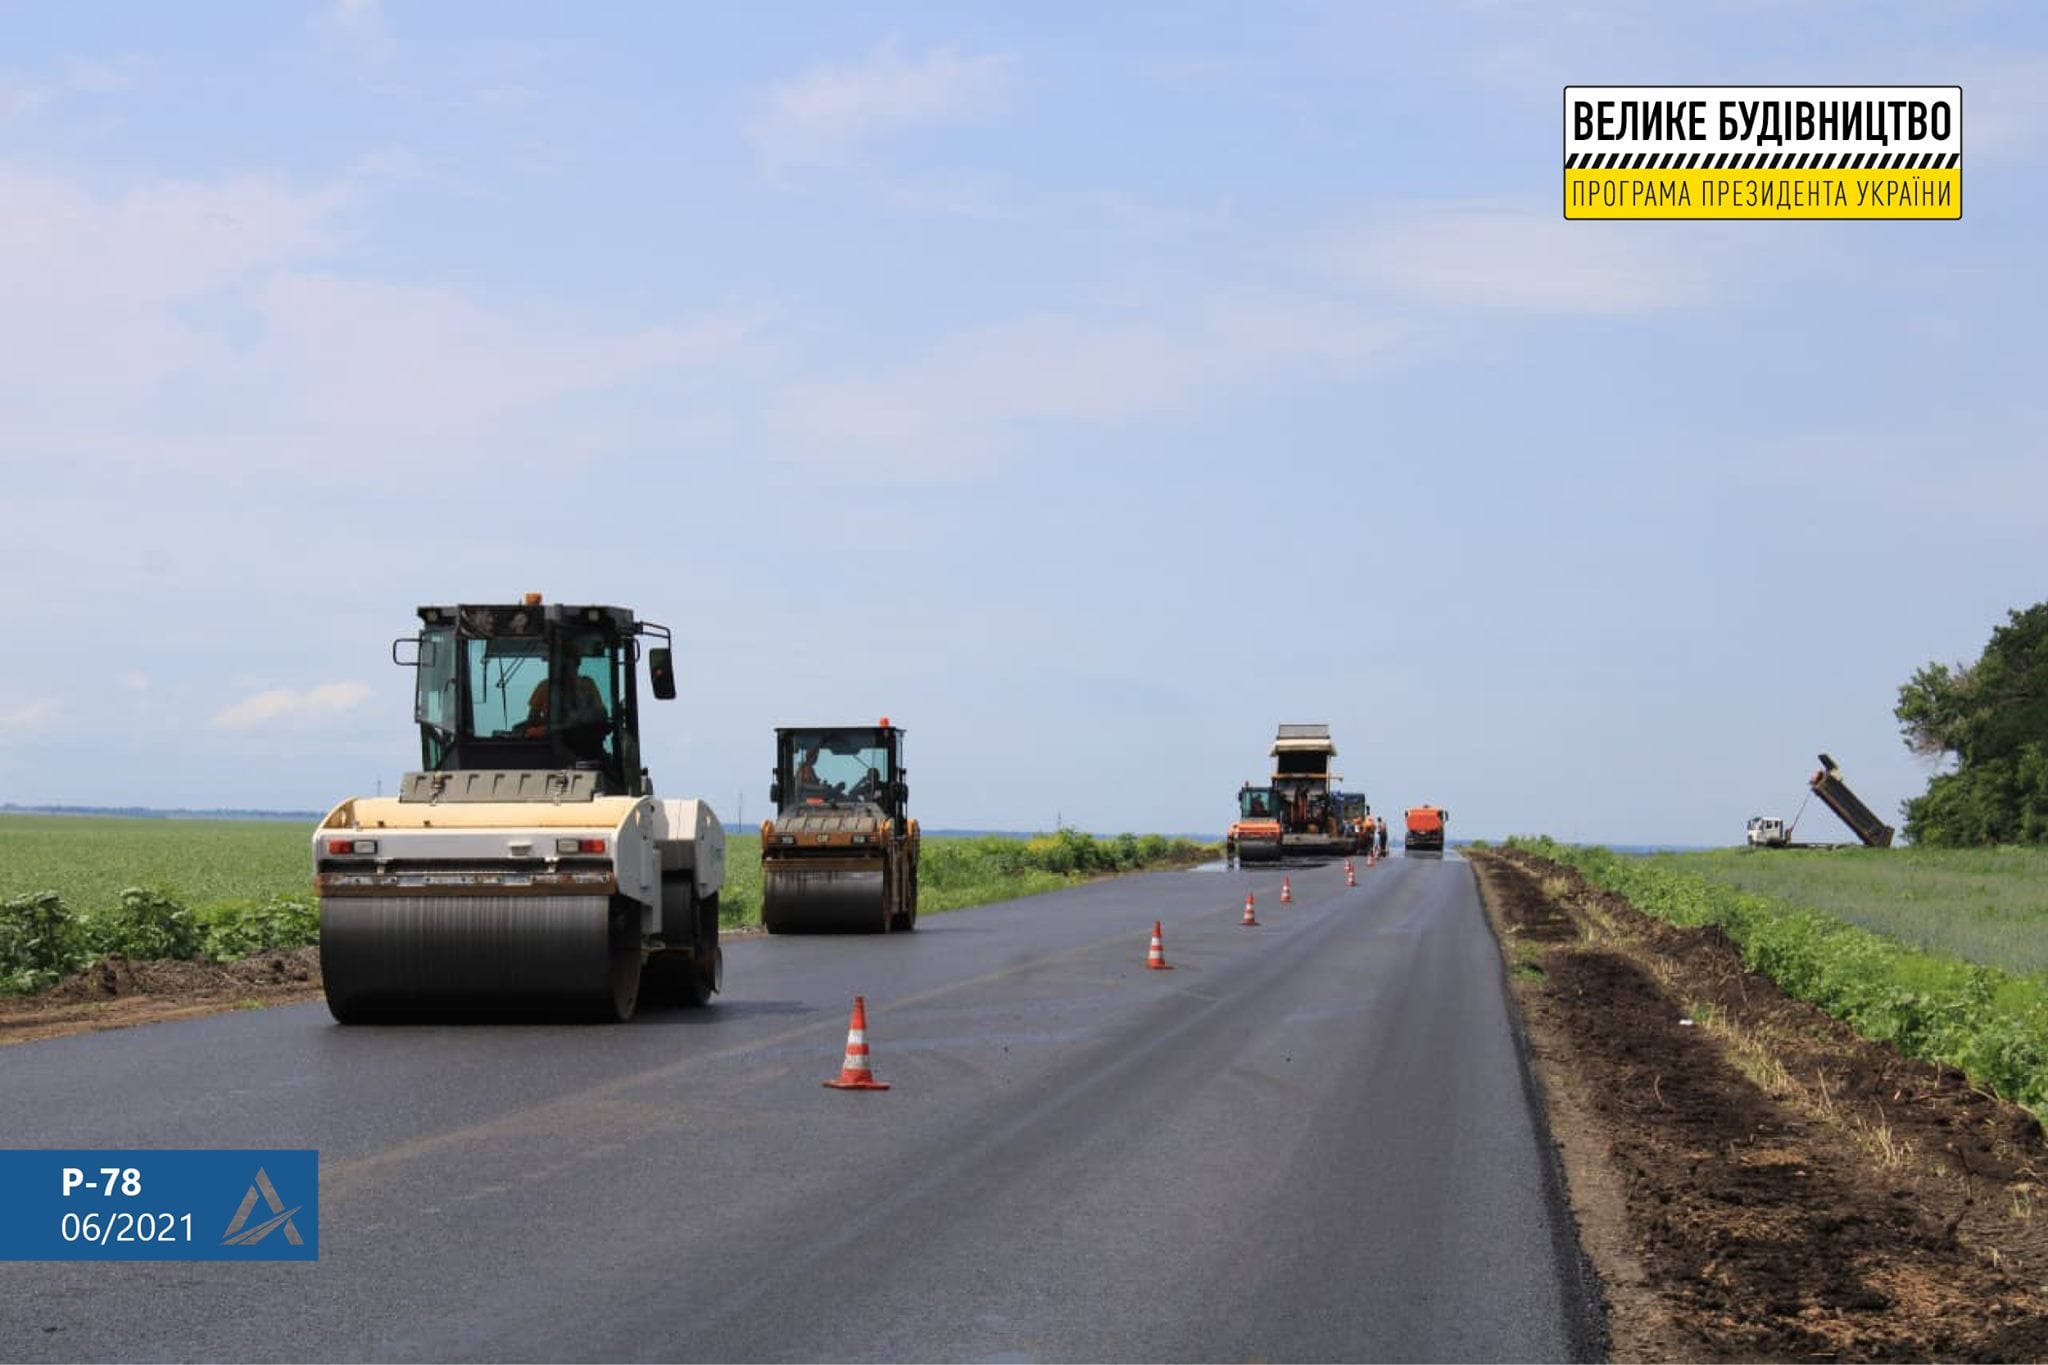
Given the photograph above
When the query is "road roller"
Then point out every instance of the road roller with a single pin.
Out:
(527, 870)
(840, 855)
(1254, 836)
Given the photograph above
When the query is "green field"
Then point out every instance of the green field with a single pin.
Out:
(211, 865)
(208, 864)
(1984, 905)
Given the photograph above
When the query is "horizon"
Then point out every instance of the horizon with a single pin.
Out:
(226, 814)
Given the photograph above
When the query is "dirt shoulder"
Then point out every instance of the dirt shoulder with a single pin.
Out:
(118, 993)
(1752, 1180)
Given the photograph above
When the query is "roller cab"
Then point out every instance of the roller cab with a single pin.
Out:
(840, 855)
(527, 869)
(1354, 821)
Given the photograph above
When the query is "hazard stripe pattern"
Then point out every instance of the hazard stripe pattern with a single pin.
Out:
(1762, 161)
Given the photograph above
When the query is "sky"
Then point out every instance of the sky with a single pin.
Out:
(1088, 389)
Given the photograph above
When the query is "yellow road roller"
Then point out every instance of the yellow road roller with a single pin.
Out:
(840, 855)
(527, 869)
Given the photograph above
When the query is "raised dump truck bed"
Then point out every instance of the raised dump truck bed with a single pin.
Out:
(1828, 785)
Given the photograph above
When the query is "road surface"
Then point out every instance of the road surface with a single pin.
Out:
(1311, 1140)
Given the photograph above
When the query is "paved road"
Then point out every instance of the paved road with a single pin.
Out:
(1311, 1140)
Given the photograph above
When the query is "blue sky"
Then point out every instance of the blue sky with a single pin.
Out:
(1088, 390)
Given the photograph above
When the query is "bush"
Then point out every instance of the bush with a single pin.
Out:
(148, 925)
(282, 922)
(40, 941)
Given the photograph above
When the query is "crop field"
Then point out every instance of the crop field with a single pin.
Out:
(215, 865)
(1983, 905)
(209, 865)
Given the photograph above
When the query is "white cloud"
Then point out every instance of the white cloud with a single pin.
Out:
(978, 392)
(388, 165)
(282, 706)
(940, 201)
(826, 114)
(156, 243)
(97, 285)
(136, 682)
(503, 99)
(355, 356)
(34, 718)
(1186, 74)
(137, 317)
(357, 25)
(1461, 257)
(96, 77)
(2005, 107)
(18, 101)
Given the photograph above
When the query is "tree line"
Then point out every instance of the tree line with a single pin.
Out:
(1991, 718)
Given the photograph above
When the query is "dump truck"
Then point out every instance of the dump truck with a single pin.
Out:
(1770, 831)
(527, 869)
(1426, 828)
(840, 855)
(1255, 835)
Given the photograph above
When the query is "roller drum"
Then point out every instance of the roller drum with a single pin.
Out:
(389, 958)
(1258, 851)
(797, 899)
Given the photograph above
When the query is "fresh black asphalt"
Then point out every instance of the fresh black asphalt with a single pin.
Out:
(1311, 1140)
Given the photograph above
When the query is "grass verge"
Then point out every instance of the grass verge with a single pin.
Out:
(75, 889)
(1989, 1023)
(956, 873)
(1987, 905)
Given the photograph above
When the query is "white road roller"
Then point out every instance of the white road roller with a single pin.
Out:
(528, 870)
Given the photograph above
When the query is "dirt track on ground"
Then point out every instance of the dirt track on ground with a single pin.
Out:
(117, 993)
(1752, 1180)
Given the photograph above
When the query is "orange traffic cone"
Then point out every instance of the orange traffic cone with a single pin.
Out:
(1351, 873)
(1286, 892)
(1156, 959)
(1250, 920)
(854, 1073)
